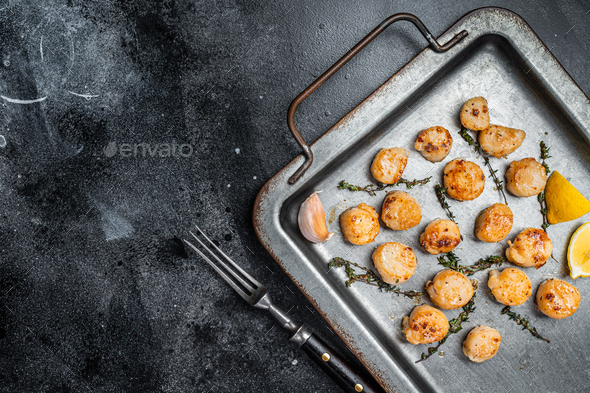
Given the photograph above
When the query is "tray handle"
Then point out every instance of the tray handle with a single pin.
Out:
(349, 55)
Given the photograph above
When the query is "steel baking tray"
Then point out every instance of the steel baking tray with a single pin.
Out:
(502, 59)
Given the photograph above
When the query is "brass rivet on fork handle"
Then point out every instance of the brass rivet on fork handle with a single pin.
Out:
(349, 55)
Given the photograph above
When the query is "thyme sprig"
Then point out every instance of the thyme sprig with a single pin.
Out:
(522, 321)
(369, 277)
(541, 197)
(440, 195)
(478, 150)
(455, 326)
(543, 210)
(371, 188)
(452, 261)
(545, 155)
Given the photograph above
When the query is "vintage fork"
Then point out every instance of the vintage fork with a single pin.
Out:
(256, 295)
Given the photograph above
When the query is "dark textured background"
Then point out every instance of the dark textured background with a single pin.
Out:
(95, 293)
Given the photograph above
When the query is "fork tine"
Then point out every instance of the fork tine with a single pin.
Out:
(223, 274)
(237, 267)
(248, 285)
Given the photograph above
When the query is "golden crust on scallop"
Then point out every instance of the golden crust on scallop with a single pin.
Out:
(482, 343)
(395, 262)
(526, 177)
(494, 223)
(557, 298)
(401, 211)
(389, 164)
(440, 236)
(500, 141)
(531, 248)
(511, 287)
(449, 289)
(475, 114)
(464, 180)
(425, 325)
(434, 143)
(360, 225)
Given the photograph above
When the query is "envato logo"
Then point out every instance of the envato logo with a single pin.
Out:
(148, 150)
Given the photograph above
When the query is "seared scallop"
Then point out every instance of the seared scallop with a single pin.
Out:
(395, 262)
(482, 343)
(526, 177)
(494, 223)
(449, 289)
(440, 236)
(531, 248)
(464, 180)
(434, 143)
(401, 211)
(389, 164)
(557, 299)
(511, 287)
(475, 114)
(360, 225)
(425, 325)
(500, 141)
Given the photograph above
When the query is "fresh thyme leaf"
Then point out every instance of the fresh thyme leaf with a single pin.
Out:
(440, 195)
(541, 197)
(522, 321)
(545, 155)
(455, 326)
(452, 261)
(478, 150)
(543, 210)
(369, 277)
(371, 188)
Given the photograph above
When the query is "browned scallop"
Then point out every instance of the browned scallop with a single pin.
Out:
(360, 225)
(440, 236)
(531, 248)
(425, 325)
(494, 223)
(500, 141)
(401, 211)
(434, 143)
(449, 289)
(557, 299)
(475, 114)
(389, 164)
(526, 177)
(395, 262)
(464, 180)
(482, 343)
(511, 287)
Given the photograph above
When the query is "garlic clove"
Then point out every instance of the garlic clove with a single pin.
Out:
(312, 220)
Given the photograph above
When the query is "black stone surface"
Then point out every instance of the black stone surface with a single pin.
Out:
(96, 293)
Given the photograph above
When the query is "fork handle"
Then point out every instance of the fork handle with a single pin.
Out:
(336, 367)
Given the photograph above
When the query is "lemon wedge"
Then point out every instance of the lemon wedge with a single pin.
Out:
(578, 252)
(564, 202)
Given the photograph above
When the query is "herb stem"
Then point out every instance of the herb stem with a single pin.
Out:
(478, 150)
(454, 327)
(369, 277)
(371, 188)
(522, 321)
(544, 156)
(541, 197)
(452, 261)
(440, 195)
(543, 210)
